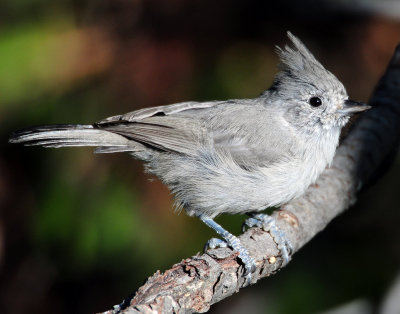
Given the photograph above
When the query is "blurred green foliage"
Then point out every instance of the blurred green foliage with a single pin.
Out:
(28, 59)
(93, 224)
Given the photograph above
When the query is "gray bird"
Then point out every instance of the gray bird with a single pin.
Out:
(233, 156)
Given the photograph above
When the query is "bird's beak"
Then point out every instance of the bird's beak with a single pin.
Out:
(351, 106)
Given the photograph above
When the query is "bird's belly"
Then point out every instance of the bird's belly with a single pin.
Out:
(216, 185)
(290, 180)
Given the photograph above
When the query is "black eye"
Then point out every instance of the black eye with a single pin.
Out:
(315, 101)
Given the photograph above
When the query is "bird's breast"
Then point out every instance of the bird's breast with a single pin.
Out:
(290, 179)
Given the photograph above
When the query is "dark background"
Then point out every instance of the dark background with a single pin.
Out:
(80, 232)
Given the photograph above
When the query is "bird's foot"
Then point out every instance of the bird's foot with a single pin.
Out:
(215, 243)
(268, 224)
(233, 242)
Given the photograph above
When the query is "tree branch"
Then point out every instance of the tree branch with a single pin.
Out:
(196, 283)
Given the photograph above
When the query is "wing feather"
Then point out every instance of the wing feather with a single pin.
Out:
(141, 114)
(175, 134)
(233, 127)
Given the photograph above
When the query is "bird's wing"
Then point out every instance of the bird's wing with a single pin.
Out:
(254, 135)
(172, 134)
(162, 128)
(167, 110)
(231, 127)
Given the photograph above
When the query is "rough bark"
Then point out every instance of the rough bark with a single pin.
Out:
(196, 283)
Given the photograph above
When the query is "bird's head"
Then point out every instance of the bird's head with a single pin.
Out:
(312, 97)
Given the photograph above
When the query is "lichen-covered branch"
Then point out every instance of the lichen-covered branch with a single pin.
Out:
(196, 283)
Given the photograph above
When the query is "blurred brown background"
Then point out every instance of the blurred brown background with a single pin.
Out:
(80, 232)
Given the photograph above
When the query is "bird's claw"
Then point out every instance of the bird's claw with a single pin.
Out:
(267, 223)
(234, 243)
(215, 243)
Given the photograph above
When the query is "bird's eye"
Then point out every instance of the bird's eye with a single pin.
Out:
(315, 101)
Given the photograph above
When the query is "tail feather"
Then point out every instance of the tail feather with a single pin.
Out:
(64, 135)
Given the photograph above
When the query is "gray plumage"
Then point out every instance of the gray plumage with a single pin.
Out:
(233, 156)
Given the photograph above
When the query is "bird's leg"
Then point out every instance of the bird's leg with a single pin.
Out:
(267, 223)
(233, 242)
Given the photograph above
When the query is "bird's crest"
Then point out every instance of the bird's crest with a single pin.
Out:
(298, 64)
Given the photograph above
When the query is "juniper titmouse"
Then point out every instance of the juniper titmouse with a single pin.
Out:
(233, 156)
